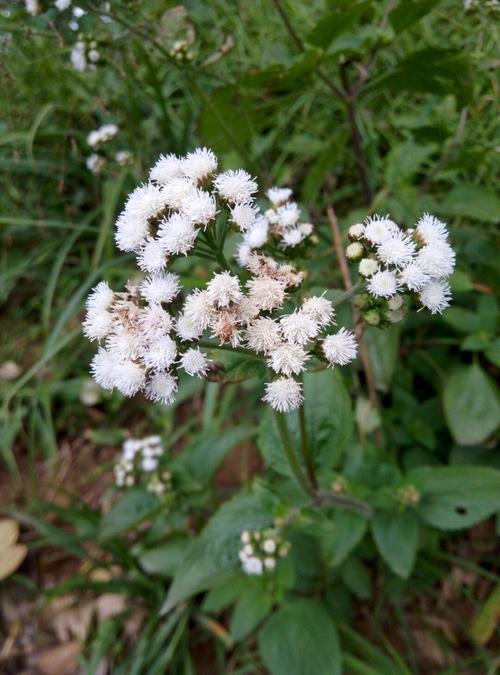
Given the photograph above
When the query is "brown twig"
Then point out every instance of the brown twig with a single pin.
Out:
(358, 321)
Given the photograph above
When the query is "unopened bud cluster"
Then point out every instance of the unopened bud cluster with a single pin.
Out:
(393, 260)
(99, 141)
(141, 464)
(152, 330)
(261, 549)
(408, 495)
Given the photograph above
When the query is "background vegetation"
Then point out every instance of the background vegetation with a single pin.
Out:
(369, 106)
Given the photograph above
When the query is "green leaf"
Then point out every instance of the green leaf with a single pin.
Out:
(431, 70)
(473, 201)
(409, 12)
(250, 610)
(470, 405)
(404, 160)
(202, 458)
(349, 529)
(164, 559)
(345, 15)
(135, 506)
(454, 497)
(493, 353)
(396, 537)
(214, 553)
(383, 347)
(329, 423)
(300, 639)
(357, 579)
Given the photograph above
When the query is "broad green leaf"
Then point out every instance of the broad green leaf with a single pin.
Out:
(357, 578)
(202, 458)
(349, 529)
(409, 12)
(454, 497)
(431, 70)
(165, 558)
(329, 423)
(383, 348)
(300, 639)
(252, 607)
(404, 160)
(474, 201)
(214, 553)
(493, 353)
(470, 405)
(347, 13)
(486, 620)
(396, 536)
(130, 510)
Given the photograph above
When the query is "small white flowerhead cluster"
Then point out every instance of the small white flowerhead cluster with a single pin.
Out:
(98, 140)
(146, 339)
(280, 222)
(140, 463)
(32, 7)
(260, 550)
(392, 260)
(84, 54)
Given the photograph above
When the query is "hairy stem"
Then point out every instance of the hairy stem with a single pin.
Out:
(293, 462)
(363, 349)
(306, 449)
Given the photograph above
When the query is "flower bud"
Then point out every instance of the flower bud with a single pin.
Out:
(354, 251)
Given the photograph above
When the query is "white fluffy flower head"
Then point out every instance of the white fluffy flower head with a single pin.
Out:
(320, 309)
(284, 394)
(194, 362)
(236, 187)
(299, 327)
(199, 164)
(340, 348)
(224, 289)
(435, 296)
(383, 284)
(288, 359)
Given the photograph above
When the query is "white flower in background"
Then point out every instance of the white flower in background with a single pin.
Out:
(195, 363)
(383, 284)
(293, 237)
(95, 163)
(78, 12)
(413, 276)
(263, 335)
(142, 461)
(62, 4)
(124, 157)
(162, 388)
(288, 359)
(199, 164)
(397, 250)
(252, 566)
(299, 327)
(435, 296)
(367, 267)
(235, 187)
(395, 303)
(166, 168)
(320, 310)
(261, 550)
(288, 215)
(78, 56)
(102, 135)
(162, 287)
(340, 348)
(278, 196)
(378, 228)
(257, 235)
(32, 7)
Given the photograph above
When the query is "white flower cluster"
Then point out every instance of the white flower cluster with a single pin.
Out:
(84, 54)
(392, 260)
(281, 222)
(145, 345)
(260, 550)
(98, 139)
(140, 463)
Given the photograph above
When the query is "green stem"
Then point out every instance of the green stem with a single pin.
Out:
(306, 449)
(347, 295)
(293, 462)
(229, 348)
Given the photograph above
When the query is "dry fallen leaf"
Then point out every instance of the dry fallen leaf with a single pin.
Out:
(9, 532)
(59, 660)
(10, 559)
